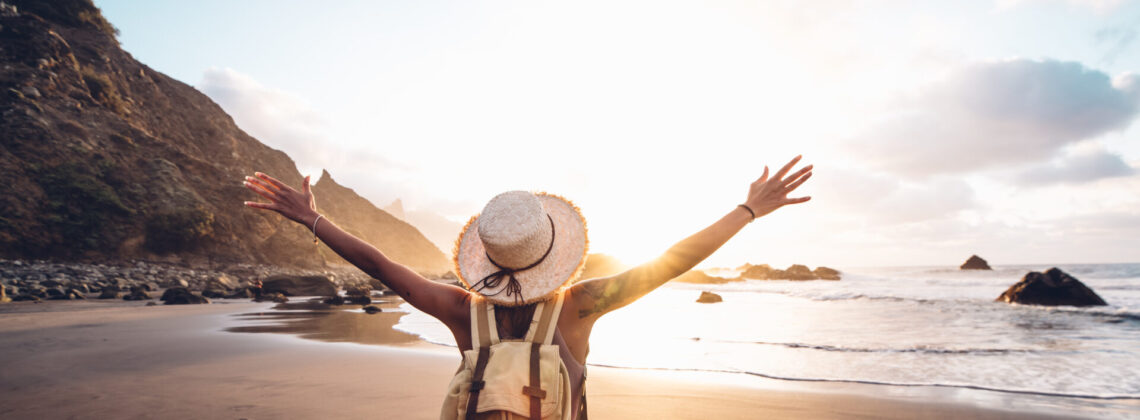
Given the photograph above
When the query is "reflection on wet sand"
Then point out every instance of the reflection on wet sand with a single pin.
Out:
(314, 320)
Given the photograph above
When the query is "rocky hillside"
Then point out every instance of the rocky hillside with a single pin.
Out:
(397, 239)
(106, 159)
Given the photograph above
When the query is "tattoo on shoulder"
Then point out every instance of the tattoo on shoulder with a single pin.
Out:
(611, 293)
(604, 293)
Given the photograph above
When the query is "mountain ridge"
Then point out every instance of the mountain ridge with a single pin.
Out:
(109, 160)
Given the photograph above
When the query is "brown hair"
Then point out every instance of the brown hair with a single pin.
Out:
(514, 321)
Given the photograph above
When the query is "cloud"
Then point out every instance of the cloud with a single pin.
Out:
(1077, 168)
(283, 121)
(993, 113)
(880, 199)
(1117, 39)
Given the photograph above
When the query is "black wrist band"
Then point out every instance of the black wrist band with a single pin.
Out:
(749, 210)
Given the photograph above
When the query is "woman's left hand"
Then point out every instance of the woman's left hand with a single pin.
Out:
(768, 194)
(298, 206)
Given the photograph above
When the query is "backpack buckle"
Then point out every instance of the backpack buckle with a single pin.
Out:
(534, 392)
(477, 385)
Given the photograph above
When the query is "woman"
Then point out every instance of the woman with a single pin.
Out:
(524, 250)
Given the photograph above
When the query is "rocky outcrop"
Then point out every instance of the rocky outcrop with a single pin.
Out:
(289, 285)
(709, 297)
(799, 272)
(105, 159)
(796, 272)
(975, 263)
(396, 209)
(1051, 288)
(181, 296)
(824, 273)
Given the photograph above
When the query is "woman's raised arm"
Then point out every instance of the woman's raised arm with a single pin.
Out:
(593, 298)
(443, 301)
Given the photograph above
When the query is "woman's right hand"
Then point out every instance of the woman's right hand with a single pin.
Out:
(297, 206)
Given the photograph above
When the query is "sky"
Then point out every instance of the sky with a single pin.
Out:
(938, 130)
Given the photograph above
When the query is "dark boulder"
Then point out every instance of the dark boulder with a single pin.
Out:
(54, 292)
(825, 273)
(181, 296)
(1051, 288)
(289, 285)
(137, 293)
(213, 293)
(333, 300)
(358, 290)
(25, 297)
(975, 263)
(75, 294)
(51, 283)
(109, 293)
(709, 297)
(372, 309)
(358, 300)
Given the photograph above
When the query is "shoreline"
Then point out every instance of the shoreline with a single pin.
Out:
(88, 360)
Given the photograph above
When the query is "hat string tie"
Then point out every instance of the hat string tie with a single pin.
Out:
(513, 287)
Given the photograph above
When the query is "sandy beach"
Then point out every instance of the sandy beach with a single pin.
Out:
(100, 360)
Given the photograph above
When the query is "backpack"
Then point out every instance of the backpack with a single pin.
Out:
(512, 378)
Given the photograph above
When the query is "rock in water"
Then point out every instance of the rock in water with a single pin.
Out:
(825, 273)
(975, 263)
(299, 285)
(799, 272)
(759, 272)
(709, 297)
(371, 309)
(1051, 288)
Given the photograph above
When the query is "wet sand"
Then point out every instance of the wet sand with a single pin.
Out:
(248, 360)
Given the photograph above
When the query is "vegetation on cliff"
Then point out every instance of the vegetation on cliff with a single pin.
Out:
(106, 159)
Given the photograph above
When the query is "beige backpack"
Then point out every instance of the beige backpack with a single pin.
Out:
(514, 378)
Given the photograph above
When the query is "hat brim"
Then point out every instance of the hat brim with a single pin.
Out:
(567, 256)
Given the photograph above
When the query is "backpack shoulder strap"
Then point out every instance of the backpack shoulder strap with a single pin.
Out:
(482, 337)
(482, 320)
(545, 321)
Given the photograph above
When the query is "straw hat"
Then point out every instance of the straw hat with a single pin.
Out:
(521, 248)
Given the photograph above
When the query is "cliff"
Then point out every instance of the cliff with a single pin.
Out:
(398, 240)
(106, 159)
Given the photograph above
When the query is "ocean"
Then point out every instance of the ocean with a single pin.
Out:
(911, 327)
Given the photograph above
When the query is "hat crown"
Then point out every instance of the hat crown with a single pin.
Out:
(515, 229)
